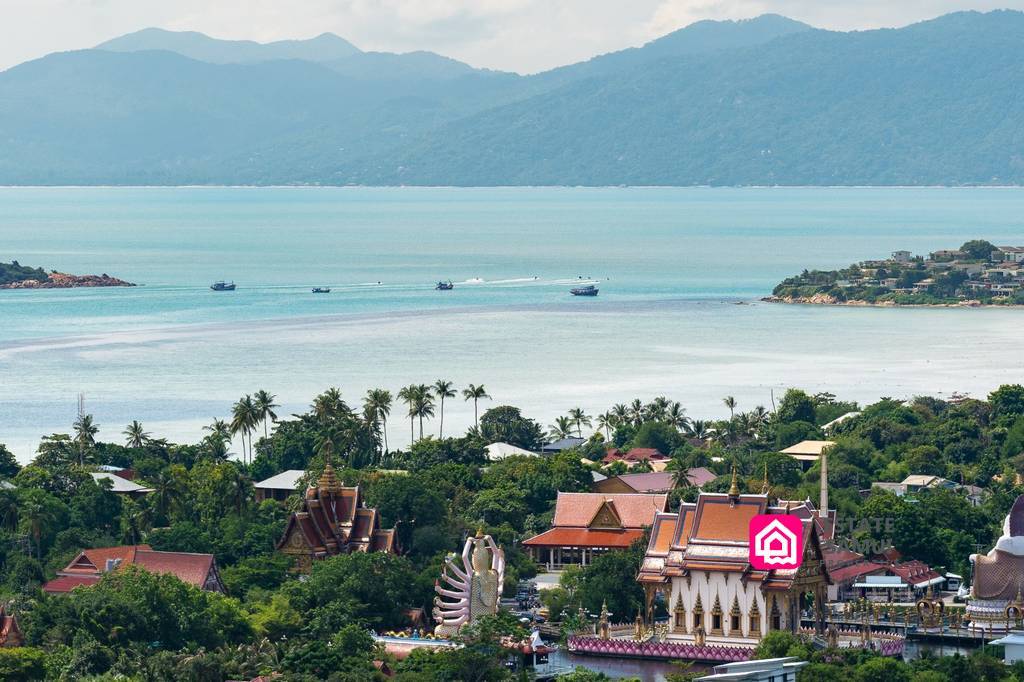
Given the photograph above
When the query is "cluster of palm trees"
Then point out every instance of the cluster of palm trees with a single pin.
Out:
(247, 414)
(661, 409)
(422, 402)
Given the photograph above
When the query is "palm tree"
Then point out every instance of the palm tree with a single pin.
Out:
(166, 495)
(636, 411)
(580, 419)
(676, 415)
(443, 389)
(759, 417)
(730, 402)
(606, 422)
(423, 404)
(697, 428)
(220, 435)
(408, 396)
(372, 421)
(657, 409)
(38, 515)
(329, 405)
(85, 435)
(475, 393)
(562, 428)
(621, 412)
(265, 406)
(379, 401)
(244, 417)
(135, 436)
(8, 510)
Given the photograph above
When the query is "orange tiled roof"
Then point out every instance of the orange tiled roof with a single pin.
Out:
(90, 564)
(635, 510)
(189, 568)
(661, 533)
(585, 537)
(718, 518)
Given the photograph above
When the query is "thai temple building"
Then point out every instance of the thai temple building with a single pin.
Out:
(698, 560)
(997, 590)
(333, 520)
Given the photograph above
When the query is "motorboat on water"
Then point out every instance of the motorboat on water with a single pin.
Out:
(445, 286)
(321, 290)
(587, 290)
(221, 285)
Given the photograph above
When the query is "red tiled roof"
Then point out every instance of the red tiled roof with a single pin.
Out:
(700, 476)
(634, 510)
(95, 560)
(189, 568)
(634, 455)
(915, 573)
(584, 537)
(650, 482)
(66, 583)
(841, 575)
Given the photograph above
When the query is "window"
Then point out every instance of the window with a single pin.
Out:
(755, 624)
(680, 616)
(697, 618)
(734, 623)
(716, 622)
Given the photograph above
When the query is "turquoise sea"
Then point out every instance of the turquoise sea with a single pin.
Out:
(673, 267)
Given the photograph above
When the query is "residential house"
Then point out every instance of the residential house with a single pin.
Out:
(918, 482)
(635, 456)
(1012, 254)
(562, 444)
(807, 452)
(946, 254)
(91, 564)
(280, 486)
(652, 482)
(499, 451)
(588, 524)
(902, 256)
(121, 486)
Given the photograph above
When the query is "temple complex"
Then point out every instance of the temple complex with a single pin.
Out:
(698, 559)
(588, 524)
(332, 521)
(997, 589)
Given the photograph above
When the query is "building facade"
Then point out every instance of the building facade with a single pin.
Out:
(90, 565)
(697, 559)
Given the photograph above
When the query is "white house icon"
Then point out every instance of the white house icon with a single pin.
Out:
(775, 544)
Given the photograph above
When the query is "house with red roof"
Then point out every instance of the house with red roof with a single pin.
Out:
(634, 456)
(91, 564)
(588, 524)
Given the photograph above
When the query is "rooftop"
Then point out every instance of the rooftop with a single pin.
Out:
(634, 510)
(808, 449)
(118, 484)
(286, 480)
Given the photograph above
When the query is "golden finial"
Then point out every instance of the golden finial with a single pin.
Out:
(328, 482)
(734, 489)
(479, 532)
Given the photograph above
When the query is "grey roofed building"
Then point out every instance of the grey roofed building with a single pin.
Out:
(121, 486)
(280, 486)
(765, 670)
(563, 444)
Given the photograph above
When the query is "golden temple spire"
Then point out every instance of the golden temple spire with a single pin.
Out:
(734, 489)
(328, 482)
(764, 484)
(479, 532)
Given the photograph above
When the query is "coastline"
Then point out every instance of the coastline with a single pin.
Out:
(825, 299)
(62, 280)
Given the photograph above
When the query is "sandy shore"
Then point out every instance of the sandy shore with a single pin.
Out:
(824, 299)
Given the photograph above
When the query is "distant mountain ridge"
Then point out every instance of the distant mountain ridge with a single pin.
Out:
(325, 47)
(763, 101)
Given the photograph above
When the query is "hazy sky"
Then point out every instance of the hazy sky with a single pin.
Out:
(516, 35)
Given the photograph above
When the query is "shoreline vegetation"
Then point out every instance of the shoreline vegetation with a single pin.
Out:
(978, 274)
(13, 275)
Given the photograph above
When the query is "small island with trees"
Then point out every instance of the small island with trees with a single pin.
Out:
(978, 273)
(14, 275)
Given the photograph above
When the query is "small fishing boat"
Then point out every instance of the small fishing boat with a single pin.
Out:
(321, 290)
(445, 286)
(223, 286)
(588, 290)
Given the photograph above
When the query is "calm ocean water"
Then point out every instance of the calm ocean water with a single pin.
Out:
(672, 264)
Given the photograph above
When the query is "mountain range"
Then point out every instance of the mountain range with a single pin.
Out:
(765, 101)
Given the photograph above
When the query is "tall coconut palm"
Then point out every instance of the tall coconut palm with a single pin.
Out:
(636, 411)
(265, 406)
(85, 435)
(759, 417)
(562, 428)
(443, 389)
(606, 422)
(676, 415)
(379, 400)
(730, 402)
(166, 495)
(408, 396)
(135, 436)
(476, 394)
(371, 420)
(38, 516)
(244, 417)
(621, 413)
(580, 419)
(329, 405)
(220, 436)
(8, 510)
(423, 404)
(658, 408)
